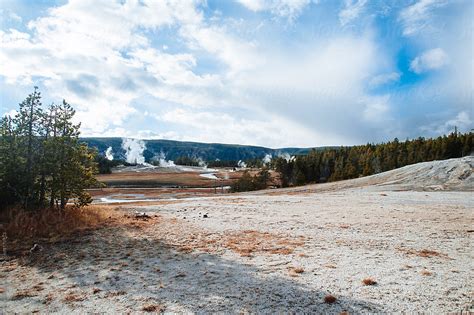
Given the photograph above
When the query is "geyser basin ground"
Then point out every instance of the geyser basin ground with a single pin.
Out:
(271, 251)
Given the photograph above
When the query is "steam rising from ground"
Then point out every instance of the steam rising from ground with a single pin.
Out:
(201, 162)
(108, 154)
(241, 164)
(161, 158)
(267, 159)
(286, 156)
(134, 150)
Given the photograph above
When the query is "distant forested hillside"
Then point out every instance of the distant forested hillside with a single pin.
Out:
(173, 150)
(351, 162)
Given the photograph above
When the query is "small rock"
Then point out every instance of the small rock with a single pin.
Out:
(36, 248)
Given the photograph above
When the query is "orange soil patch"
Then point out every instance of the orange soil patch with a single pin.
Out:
(191, 179)
(186, 238)
(249, 242)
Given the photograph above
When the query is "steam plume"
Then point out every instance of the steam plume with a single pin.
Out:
(241, 164)
(108, 154)
(162, 160)
(134, 150)
(286, 156)
(267, 159)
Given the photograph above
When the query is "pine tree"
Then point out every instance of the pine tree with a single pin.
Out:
(41, 157)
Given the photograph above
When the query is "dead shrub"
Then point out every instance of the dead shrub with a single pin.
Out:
(329, 299)
(157, 308)
(426, 253)
(249, 242)
(295, 271)
(21, 294)
(369, 281)
(49, 225)
(330, 266)
(73, 297)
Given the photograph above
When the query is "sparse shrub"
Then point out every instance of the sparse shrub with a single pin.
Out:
(153, 308)
(50, 224)
(329, 299)
(369, 281)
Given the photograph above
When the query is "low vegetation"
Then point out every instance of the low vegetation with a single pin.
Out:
(369, 281)
(249, 183)
(330, 299)
(23, 228)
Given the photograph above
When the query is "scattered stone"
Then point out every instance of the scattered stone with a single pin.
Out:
(142, 215)
(36, 248)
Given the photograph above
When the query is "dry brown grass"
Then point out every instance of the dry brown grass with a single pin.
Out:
(329, 299)
(96, 290)
(156, 308)
(144, 179)
(330, 266)
(73, 297)
(25, 228)
(369, 281)
(21, 294)
(249, 242)
(426, 253)
(295, 271)
(115, 293)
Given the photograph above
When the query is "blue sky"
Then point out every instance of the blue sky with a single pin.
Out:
(265, 72)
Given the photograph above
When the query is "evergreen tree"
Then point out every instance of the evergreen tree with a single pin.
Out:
(41, 157)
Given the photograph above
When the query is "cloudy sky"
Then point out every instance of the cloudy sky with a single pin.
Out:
(266, 72)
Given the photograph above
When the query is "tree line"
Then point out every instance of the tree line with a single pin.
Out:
(42, 162)
(334, 164)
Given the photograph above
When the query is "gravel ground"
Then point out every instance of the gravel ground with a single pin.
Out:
(273, 251)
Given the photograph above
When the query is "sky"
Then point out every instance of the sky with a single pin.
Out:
(275, 73)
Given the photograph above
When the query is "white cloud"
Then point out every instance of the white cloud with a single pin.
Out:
(417, 17)
(352, 10)
(289, 9)
(430, 60)
(9, 15)
(385, 78)
(241, 130)
(207, 77)
(100, 60)
(463, 121)
(376, 108)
